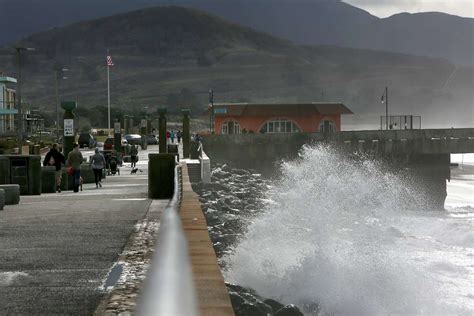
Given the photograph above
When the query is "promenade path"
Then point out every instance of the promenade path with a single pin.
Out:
(57, 249)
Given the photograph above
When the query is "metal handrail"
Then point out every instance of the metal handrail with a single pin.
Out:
(169, 286)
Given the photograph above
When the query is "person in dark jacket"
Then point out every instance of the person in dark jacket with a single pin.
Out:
(133, 155)
(55, 158)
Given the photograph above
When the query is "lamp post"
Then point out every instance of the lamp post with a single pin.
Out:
(20, 127)
(385, 100)
(58, 71)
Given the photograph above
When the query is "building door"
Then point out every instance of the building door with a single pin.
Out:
(327, 126)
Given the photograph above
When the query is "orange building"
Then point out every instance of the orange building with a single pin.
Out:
(236, 118)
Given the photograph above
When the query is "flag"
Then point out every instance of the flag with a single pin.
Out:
(110, 63)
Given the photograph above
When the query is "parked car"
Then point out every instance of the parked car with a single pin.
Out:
(151, 139)
(133, 139)
(86, 140)
(110, 142)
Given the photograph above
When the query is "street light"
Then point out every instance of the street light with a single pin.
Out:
(58, 71)
(19, 49)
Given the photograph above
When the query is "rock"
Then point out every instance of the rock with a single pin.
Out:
(289, 310)
(247, 303)
(276, 306)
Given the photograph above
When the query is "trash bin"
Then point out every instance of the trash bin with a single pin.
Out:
(48, 179)
(25, 170)
(4, 170)
(2, 199)
(161, 176)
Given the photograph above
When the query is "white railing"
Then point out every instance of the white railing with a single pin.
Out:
(169, 287)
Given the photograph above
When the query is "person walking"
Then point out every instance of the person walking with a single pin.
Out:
(98, 164)
(168, 135)
(56, 159)
(133, 155)
(179, 134)
(172, 136)
(74, 160)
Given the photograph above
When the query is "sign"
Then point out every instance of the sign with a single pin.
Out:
(220, 110)
(68, 127)
(117, 128)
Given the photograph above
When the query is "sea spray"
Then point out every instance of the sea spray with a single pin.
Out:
(337, 234)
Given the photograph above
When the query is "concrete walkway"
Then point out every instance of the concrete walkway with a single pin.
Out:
(57, 249)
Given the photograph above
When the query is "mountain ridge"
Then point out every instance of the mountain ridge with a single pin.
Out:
(320, 22)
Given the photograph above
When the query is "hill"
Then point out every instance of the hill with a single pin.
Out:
(313, 22)
(172, 56)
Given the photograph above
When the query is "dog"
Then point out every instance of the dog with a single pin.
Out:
(135, 170)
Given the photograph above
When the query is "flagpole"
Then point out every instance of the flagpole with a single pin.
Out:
(108, 97)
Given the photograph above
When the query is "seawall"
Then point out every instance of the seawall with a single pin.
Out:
(213, 298)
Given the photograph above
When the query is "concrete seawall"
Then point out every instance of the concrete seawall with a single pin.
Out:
(213, 298)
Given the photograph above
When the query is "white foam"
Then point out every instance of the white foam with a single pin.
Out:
(349, 236)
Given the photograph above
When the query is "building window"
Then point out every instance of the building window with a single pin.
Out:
(230, 127)
(280, 126)
(327, 126)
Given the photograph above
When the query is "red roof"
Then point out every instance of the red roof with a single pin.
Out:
(300, 109)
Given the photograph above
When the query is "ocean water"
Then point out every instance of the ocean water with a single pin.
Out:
(345, 237)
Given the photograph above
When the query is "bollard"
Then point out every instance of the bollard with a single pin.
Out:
(161, 176)
(2, 199)
(48, 179)
(12, 193)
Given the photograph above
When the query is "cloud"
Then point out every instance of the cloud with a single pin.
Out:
(384, 8)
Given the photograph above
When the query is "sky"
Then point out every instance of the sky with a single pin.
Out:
(385, 8)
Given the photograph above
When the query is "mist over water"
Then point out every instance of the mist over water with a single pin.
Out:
(343, 236)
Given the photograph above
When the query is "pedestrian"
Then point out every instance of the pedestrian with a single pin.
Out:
(133, 155)
(98, 163)
(172, 136)
(168, 136)
(56, 159)
(74, 160)
(179, 134)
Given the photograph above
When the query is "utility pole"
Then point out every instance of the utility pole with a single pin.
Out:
(386, 107)
(211, 118)
(58, 71)
(19, 105)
